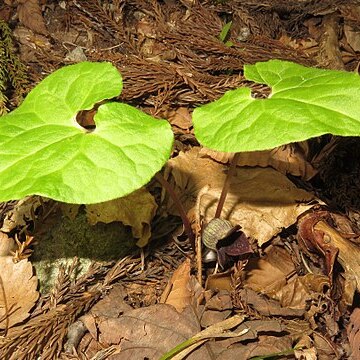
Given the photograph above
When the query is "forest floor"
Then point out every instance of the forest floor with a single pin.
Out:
(74, 285)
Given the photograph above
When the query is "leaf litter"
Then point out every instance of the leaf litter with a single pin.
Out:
(261, 214)
(296, 296)
(18, 291)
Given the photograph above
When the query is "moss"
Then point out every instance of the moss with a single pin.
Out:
(13, 77)
(66, 238)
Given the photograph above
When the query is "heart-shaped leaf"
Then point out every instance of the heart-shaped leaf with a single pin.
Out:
(44, 151)
(304, 103)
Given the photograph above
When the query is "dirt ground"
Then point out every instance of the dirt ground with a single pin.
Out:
(293, 293)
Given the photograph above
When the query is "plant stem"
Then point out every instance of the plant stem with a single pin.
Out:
(179, 206)
(227, 183)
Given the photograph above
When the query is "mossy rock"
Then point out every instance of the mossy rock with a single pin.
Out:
(60, 239)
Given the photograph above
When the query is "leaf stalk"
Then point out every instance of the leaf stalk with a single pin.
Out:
(227, 184)
(179, 206)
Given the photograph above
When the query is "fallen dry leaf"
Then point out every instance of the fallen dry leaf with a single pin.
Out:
(179, 117)
(326, 349)
(216, 331)
(268, 275)
(76, 55)
(306, 354)
(191, 173)
(220, 301)
(218, 308)
(22, 212)
(258, 337)
(301, 290)
(352, 37)
(148, 332)
(329, 54)
(274, 275)
(70, 210)
(180, 293)
(136, 210)
(112, 305)
(266, 345)
(7, 245)
(300, 331)
(265, 306)
(30, 40)
(353, 332)
(30, 15)
(349, 253)
(5, 13)
(314, 242)
(287, 159)
(261, 200)
(321, 233)
(307, 45)
(220, 281)
(18, 292)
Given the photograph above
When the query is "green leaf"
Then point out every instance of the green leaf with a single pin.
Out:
(225, 31)
(44, 151)
(304, 103)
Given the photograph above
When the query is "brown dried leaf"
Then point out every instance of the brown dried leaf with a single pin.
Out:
(5, 13)
(300, 290)
(262, 201)
(259, 341)
(179, 117)
(287, 159)
(349, 253)
(222, 157)
(70, 210)
(307, 45)
(21, 213)
(300, 331)
(217, 308)
(257, 327)
(306, 354)
(20, 293)
(191, 173)
(314, 241)
(216, 331)
(220, 302)
(220, 281)
(325, 235)
(112, 305)
(265, 306)
(330, 55)
(326, 349)
(269, 275)
(149, 332)
(136, 210)
(31, 40)
(7, 245)
(30, 15)
(352, 37)
(353, 332)
(181, 288)
(274, 275)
